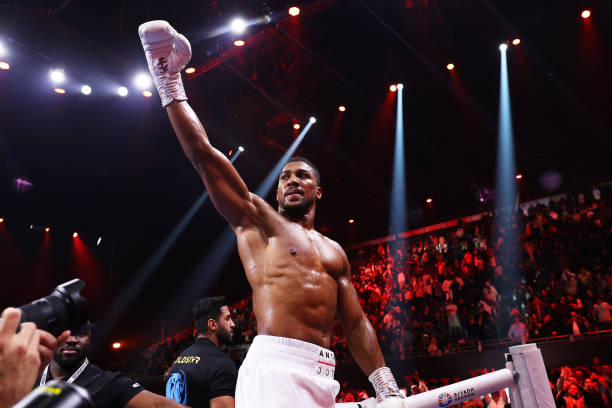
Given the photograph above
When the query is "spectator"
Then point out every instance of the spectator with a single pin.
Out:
(518, 331)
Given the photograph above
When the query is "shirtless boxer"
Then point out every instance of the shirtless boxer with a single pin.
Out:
(300, 279)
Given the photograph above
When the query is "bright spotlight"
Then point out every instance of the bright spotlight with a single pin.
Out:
(351, 221)
(60, 91)
(122, 91)
(3, 51)
(240, 148)
(429, 200)
(516, 41)
(238, 25)
(4, 65)
(294, 11)
(142, 81)
(74, 235)
(393, 88)
(147, 94)
(239, 43)
(1, 220)
(519, 176)
(450, 66)
(99, 241)
(190, 70)
(296, 126)
(47, 229)
(57, 76)
(503, 47)
(342, 108)
(313, 119)
(116, 345)
(585, 14)
(86, 89)
(400, 86)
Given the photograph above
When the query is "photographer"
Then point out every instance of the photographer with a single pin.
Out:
(22, 355)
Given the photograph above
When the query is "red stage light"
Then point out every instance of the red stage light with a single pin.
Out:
(519, 176)
(296, 126)
(294, 11)
(59, 91)
(239, 43)
(351, 221)
(342, 108)
(190, 70)
(516, 41)
(47, 229)
(75, 235)
(585, 13)
(393, 88)
(429, 200)
(4, 65)
(1, 219)
(147, 94)
(116, 345)
(450, 66)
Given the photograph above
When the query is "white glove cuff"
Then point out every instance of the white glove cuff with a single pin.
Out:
(384, 384)
(170, 87)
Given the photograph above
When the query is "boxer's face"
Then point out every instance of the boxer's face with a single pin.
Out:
(297, 188)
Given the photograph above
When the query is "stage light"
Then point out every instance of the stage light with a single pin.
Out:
(429, 200)
(351, 221)
(313, 119)
(116, 345)
(519, 176)
(4, 65)
(122, 91)
(503, 47)
(3, 50)
(86, 89)
(516, 41)
(142, 81)
(240, 148)
(342, 108)
(238, 25)
(585, 14)
(393, 88)
(400, 87)
(99, 241)
(147, 94)
(190, 70)
(60, 91)
(294, 11)
(1, 220)
(239, 43)
(47, 229)
(450, 66)
(74, 235)
(57, 76)
(296, 126)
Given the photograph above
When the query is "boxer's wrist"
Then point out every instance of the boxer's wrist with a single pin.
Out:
(170, 87)
(384, 384)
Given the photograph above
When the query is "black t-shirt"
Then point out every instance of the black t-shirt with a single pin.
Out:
(107, 389)
(200, 374)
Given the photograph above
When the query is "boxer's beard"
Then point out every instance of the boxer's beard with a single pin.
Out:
(298, 209)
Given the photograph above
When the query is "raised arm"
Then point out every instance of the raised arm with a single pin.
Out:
(167, 53)
(227, 190)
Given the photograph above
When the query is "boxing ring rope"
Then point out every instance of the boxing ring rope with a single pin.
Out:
(525, 375)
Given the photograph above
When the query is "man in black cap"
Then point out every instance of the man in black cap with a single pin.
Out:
(202, 376)
(107, 389)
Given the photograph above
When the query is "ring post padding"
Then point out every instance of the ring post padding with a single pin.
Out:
(532, 382)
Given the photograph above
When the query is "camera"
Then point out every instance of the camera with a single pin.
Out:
(63, 309)
(56, 394)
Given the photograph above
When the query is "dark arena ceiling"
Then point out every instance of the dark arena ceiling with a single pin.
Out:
(111, 167)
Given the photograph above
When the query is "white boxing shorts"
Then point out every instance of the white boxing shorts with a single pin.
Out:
(279, 372)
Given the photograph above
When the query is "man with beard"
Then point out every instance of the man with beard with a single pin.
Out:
(107, 389)
(301, 279)
(202, 376)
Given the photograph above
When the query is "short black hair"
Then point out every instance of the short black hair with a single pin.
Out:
(309, 163)
(207, 308)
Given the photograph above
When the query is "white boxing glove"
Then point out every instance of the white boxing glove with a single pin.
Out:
(388, 394)
(167, 54)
